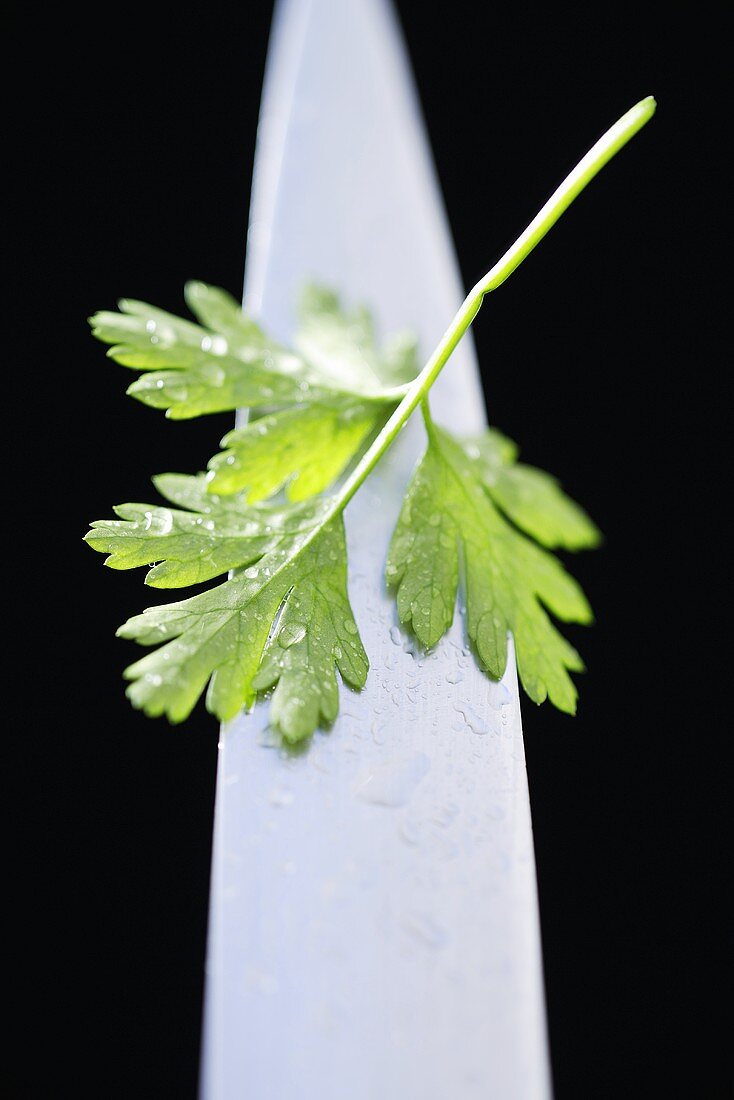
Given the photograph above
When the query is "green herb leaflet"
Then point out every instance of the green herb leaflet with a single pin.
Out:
(269, 510)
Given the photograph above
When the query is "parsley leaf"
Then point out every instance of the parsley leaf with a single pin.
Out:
(283, 617)
(449, 524)
(342, 346)
(316, 632)
(289, 560)
(228, 362)
(531, 498)
(215, 535)
(191, 370)
(303, 449)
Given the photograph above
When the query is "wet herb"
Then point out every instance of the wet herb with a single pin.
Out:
(269, 511)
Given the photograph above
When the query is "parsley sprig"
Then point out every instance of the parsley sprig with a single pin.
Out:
(269, 510)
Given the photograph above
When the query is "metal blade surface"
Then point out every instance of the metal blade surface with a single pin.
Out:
(374, 927)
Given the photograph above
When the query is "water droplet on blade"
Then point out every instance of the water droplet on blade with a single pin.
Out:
(424, 929)
(393, 782)
(280, 796)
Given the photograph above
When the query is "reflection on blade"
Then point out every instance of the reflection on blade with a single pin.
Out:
(374, 927)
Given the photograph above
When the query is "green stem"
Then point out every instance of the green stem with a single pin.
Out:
(606, 147)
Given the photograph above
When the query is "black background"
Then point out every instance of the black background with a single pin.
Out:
(604, 356)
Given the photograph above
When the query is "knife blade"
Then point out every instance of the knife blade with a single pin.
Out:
(373, 918)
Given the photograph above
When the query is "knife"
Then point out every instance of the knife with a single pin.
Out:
(373, 923)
